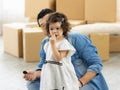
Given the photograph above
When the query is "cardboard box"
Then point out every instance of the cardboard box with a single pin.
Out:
(12, 37)
(115, 43)
(100, 11)
(33, 7)
(101, 41)
(77, 22)
(32, 38)
(72, 9)
(118, 10)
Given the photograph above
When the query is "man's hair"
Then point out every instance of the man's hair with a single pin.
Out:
(42, 13)
(59, 17)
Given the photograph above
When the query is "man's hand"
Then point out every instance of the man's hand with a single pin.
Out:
(30, 75)
(80, 85)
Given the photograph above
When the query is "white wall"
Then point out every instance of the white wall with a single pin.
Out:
(12, 11)
(0, 17)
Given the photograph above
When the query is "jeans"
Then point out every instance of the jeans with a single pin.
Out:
(35, 85)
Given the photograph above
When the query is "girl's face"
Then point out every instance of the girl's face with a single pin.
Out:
(55, 29)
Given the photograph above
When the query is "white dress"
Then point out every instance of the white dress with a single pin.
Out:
(59, 77)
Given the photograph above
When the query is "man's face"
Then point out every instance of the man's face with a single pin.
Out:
(42, 23)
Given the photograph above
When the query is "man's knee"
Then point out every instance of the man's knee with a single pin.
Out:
(34, 85)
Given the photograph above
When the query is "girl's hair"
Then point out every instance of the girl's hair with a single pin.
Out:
(58, 17)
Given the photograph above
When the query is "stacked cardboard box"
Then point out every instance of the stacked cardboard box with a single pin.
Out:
(100, 11)
(101, 41)
(73, 9)
(115, 43)
(104, 11)
(118, 10)
(77, 22)
(32, 38)
(12, 35)
(33, 7)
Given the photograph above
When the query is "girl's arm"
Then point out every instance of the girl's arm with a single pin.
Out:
(58, 55)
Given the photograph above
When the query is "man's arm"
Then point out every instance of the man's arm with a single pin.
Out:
(88, 53)
(87, 77)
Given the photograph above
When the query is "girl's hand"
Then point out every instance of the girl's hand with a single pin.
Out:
(53, 39)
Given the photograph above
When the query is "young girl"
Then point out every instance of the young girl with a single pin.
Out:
(58, 72)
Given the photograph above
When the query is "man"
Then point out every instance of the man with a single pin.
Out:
(86, 61)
